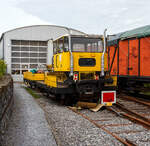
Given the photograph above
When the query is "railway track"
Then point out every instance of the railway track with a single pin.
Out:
(134, 111)
(137, 110)
(134, 99)
(123, 121)
(123, 141)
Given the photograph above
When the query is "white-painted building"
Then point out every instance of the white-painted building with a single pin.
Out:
(26, 47)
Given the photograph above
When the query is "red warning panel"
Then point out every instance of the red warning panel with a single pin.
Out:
(108, 97)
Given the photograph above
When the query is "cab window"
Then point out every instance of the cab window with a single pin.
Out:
(100, 46)
(82, 44)
(78, 47)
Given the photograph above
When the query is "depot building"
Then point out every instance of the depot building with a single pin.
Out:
(25, 48)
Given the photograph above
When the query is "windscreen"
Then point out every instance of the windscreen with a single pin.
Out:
(81, 44)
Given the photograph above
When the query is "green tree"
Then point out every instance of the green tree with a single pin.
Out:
(2, 68)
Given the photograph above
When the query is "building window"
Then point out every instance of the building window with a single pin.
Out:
(15, 48)
(15, 42)
(26, 55)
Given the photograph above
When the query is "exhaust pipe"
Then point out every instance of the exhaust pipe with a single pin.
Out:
(71, 56)
(104, 50)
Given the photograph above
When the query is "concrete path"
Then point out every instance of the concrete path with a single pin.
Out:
(28, 126)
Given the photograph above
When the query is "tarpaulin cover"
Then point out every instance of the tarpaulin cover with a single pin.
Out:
(113, 39)
(138, 33)
(134, 33)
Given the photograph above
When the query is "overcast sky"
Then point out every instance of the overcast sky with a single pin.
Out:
(90, 16)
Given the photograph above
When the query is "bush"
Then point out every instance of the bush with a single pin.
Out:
(2, 68)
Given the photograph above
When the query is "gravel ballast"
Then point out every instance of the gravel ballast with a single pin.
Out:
(72, 129)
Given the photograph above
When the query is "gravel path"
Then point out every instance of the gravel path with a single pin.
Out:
(28, 126)
(73, 130)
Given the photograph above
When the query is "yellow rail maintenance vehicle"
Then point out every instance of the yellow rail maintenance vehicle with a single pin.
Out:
(79, 70)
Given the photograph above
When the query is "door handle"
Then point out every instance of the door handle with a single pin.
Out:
(130, 68)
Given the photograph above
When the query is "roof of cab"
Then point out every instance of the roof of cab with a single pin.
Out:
(85, 36)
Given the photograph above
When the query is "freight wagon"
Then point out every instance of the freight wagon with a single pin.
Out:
(129, 58)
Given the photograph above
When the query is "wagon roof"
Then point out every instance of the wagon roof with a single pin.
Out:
(113, 39)
(134, 33)
(138, 33)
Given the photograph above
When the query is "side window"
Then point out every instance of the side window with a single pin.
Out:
(66, 44)
(60, 46)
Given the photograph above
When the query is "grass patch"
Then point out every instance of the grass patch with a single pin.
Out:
(32, 92)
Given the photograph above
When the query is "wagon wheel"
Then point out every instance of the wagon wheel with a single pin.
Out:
(62, 99)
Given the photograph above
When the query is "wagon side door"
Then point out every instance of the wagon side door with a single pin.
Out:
(133, 57)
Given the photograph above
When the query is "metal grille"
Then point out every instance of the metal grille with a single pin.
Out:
(26, 55)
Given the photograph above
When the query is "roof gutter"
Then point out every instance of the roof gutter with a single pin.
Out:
(2, 40)
(3, 48)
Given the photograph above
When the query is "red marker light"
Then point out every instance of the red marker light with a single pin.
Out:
(75, 77)
(96, 77)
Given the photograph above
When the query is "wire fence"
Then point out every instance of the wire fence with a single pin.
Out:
(2, 68)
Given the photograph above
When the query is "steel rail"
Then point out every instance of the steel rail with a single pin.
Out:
(135, 100)
(130, 116)
(136, 120)
(132, 112)
(126, 142)
(130, 142)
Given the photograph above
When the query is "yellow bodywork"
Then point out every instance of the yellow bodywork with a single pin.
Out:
(55, 79)
(62, 61)
(34, 76)
(51, 80)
